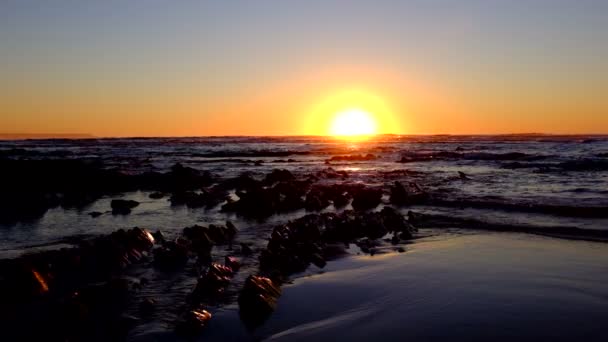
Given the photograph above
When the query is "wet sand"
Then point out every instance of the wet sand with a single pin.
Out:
(464, 286)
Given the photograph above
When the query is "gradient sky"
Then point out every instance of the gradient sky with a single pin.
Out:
(145, 68)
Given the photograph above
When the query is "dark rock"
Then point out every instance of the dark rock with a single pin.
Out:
(171, 256)
(123, 207)
(245, 249)
(257, 300)
(213, 282)
(232, 262)
(366, 198)
(410, 195)
(95, 214)
(157, 195)
(278, 175)
(193, 322)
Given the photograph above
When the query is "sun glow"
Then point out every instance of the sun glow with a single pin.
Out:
(351, 114)
(353, 122)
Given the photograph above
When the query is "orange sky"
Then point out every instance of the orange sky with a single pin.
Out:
(210, 69)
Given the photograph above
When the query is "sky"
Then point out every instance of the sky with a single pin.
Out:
(192, 68)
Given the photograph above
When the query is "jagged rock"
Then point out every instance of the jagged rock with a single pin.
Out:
(213, 282)
(258, 299)
(193, 322)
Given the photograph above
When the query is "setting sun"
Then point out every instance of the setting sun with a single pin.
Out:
(353, 122)
(351, 113)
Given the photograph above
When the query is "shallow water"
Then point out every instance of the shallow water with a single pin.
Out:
(480, 286)
(553, 172)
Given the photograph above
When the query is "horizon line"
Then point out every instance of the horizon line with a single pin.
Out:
(84, 136)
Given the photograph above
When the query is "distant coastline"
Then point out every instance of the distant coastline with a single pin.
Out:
(25, 136)
(481, 136)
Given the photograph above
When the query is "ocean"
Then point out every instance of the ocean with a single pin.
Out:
(542, 184)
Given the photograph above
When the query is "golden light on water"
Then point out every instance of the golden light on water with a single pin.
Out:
(352, 114)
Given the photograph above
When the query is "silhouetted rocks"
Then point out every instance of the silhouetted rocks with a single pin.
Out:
(31, 187)
(407, 195)
(278, 175)
(212, 283)
(63, 294)
(294, 246)
(123, 207)
(257, 300)
(157, 195)
(172, 255)
(366, 198)
(192, 322)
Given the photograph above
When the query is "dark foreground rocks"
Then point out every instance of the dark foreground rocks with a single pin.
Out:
(70, 293)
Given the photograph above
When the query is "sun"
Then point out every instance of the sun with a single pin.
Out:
(353, 122)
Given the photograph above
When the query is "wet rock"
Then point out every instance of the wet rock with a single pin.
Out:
(212, 283)
(232, 262)
(159, 237)
(171, 256)
(95, 214)
(257, 300)
(410, 195)
(316, 200)
(366, 198)
(157, 195)
(278, 175)
(122, 207)
(193, 322)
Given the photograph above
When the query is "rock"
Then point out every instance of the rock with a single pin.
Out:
(257, 300)
(159, 237)
(463, 176)
(278, 175)
(366, 198)
(213, 282)
(232, 262)
(172, 255)
(157, 195)
(123, 207)
(410, 195)
(193, 322)
(95, 214)
(245, 249)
